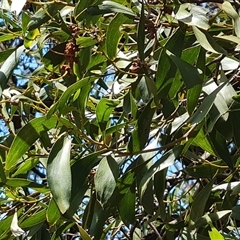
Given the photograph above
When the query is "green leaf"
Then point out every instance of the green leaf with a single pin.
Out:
(26, 166)
(59, 172)
(20, 182)
(166, 70)
(205, 107)
(105, 178)
(141, 34)
(207, 42)
(80, 170)
(5, 54)
(114, 35)
(34, 219)
(61, 103)
(23, 141)
(199, 203)
(190, 74)
(84, 235)
(86, 41)
(215, 234)
(165, 161)
(211, 217)
(99, 217)
(193, 97)
(221, 148)
(126, 207)
(6, 37)
(236, 212)
(53, 213)
(104, 110)
(205, 170)
(110, 7)
(30, 38)
(8, 66)
(141, 130)
(54, 56)
(43, 15)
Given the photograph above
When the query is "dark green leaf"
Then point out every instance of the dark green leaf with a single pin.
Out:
(198, 206)
(126, 207)
(59, 172)
(141, 132)
(43, 15)
(23, 141)
(114, 35)
(141, 34)
(105, 178)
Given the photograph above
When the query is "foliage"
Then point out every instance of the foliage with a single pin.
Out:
(128, 129)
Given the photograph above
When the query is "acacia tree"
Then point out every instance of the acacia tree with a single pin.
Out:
(128, 128)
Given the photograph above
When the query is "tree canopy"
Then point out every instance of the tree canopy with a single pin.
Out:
(128, 125)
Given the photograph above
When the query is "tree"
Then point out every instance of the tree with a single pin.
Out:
(128, 128)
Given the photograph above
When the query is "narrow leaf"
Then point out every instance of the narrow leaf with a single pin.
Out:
(141, 34)
(23, 141)
(198, 206)
(8, 67)
(207, 42)
(110, 7)
(43, 15)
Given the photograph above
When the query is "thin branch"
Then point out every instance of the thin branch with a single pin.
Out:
(155, 231)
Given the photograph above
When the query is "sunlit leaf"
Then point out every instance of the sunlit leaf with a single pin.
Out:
(109, 7)
(207, 42)
(228, 8)
(8, 66)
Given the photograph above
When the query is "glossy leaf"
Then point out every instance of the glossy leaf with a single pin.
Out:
(165, 161)
(193, 15)
(109, 7)
(8, 66)
(60, 181)
(205, 107)
(207, 42)
(231, 12)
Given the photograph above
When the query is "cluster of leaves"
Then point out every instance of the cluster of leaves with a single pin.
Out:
(129, 89)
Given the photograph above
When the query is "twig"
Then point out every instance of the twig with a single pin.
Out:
(155, 231)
